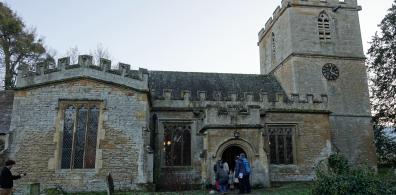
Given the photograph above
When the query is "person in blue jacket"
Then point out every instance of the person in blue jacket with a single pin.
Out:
(242, 171)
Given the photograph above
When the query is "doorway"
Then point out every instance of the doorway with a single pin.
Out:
(229, 155)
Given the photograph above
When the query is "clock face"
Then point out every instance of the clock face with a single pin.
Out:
(330, 71)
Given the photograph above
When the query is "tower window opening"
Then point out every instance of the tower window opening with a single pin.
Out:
(273, 47)
(324, 27)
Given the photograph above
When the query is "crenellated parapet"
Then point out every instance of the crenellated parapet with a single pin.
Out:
(231, 116)
(333, 4)
(200, 95)
(263, 100)
(248, 114)
(85, 68)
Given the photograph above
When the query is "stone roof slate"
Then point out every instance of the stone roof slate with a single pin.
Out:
(213, 83)
(6, 102)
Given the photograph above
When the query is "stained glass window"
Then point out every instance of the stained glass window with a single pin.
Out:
(281, 144)
(177, 144)
(80, 127)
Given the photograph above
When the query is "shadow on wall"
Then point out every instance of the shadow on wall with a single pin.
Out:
(3, 148)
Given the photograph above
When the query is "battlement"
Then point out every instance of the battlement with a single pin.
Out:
(334, 4)
(233, 112)
(261, 99)
(186, 95)
(63, 70)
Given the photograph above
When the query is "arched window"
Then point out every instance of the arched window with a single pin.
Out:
(273, 47)
(324, 27)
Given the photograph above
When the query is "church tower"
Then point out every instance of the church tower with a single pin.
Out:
(315, 47)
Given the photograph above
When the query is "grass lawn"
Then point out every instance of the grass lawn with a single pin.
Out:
(292, 189)
(387, 173)
(297, 189)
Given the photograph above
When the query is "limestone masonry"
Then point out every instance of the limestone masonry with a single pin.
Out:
(71, 125)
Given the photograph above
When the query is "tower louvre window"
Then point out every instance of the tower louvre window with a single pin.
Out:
(324, 27)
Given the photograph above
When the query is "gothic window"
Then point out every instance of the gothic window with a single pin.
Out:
(324, 27)
(80, 129)
(177, 144)
(281, 144)
(273, 47)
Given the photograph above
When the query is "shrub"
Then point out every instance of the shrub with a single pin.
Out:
(339, 178)
(338, 164)
(54, 191)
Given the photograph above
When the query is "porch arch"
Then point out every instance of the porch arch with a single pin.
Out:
(245, 145)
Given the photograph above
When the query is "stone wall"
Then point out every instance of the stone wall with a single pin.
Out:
(278, 26)
(348, 100)
(218, 120)
(121, 148)
(191, 172)
(300, 67)
(6, 100)
(353, 136)
(312, 143)
(295, 26)
(347, 95)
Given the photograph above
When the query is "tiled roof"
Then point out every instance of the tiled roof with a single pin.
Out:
(212, 83)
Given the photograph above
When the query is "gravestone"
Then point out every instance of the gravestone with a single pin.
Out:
(110, 184)
(33, 189)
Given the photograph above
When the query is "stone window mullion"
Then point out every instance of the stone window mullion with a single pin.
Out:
(276, 148)
(86, 134)
(74, 139)
(182, 148)
(172, 155)
(285, 155)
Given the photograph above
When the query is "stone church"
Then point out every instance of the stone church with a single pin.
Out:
(69, 126)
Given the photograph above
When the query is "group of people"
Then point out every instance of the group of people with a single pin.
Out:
(238, 178)
(225, 178)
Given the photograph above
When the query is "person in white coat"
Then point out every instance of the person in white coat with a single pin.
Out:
(226, 167)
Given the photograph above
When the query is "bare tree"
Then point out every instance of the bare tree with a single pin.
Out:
(73, 54)
(97, 53)
(100, 52)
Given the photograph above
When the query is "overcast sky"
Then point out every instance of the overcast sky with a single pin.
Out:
(177, 35)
